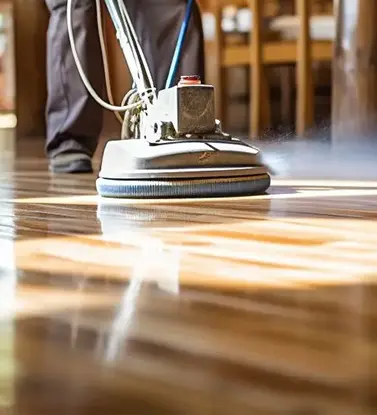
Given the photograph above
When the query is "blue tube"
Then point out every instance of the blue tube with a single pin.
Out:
(179, 46)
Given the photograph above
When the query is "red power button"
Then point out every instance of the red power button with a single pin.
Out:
(190, 80)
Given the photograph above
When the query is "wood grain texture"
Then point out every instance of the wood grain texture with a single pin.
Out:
(263, 305)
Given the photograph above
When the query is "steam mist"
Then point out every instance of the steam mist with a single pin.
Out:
(318, 158)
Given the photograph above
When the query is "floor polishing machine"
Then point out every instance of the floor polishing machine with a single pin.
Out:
(172, 145)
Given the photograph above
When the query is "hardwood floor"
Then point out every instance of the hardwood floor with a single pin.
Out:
(260, 305)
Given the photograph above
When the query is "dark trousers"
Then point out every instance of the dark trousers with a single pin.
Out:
(74, 119)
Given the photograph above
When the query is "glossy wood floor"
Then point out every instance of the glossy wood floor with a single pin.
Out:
(260, 305)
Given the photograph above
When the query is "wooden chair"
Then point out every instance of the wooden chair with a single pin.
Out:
(285, 40)
(311, 32)
(226, 49)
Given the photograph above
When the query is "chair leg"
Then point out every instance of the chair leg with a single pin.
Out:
(286, 87)
(255, 101)
(256, 65)
(265, 103)
(304, 111)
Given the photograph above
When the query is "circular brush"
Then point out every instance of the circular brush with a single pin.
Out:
(183, 188)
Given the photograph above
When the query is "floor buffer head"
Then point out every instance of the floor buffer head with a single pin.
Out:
(181, 151)
(172, 145)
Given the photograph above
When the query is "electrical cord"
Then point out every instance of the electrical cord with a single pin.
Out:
(102, 40)
(141, 54)
(131, 121)
(131, 124)
(138, 66)
(84, 79)
(125, 41)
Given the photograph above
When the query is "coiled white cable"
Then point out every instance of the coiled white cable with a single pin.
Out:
(86, 82)
(102, 38)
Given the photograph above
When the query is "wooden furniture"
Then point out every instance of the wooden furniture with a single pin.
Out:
(30, 25)
(284, 40)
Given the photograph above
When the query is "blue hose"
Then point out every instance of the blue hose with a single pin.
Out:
(179, 46)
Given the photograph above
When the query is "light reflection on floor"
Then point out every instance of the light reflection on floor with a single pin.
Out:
(248, 298)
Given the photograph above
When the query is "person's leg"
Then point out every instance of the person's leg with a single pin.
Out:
(74, 119)
(157, 23)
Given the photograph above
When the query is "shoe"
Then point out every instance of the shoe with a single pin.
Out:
(71, 163)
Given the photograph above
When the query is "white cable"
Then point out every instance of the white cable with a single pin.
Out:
(106, 65)
(102, 39)
(143, 60)
(82, 73)
(138, 61)
(126, 44)
(105, 59)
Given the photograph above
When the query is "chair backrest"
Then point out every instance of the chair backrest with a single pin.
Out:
(262, 49)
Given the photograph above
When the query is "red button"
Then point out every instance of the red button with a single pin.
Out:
(190, 80)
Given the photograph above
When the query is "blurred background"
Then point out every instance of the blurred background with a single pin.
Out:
(280, 67)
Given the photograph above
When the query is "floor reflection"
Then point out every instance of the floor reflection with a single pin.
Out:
(260, 305)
